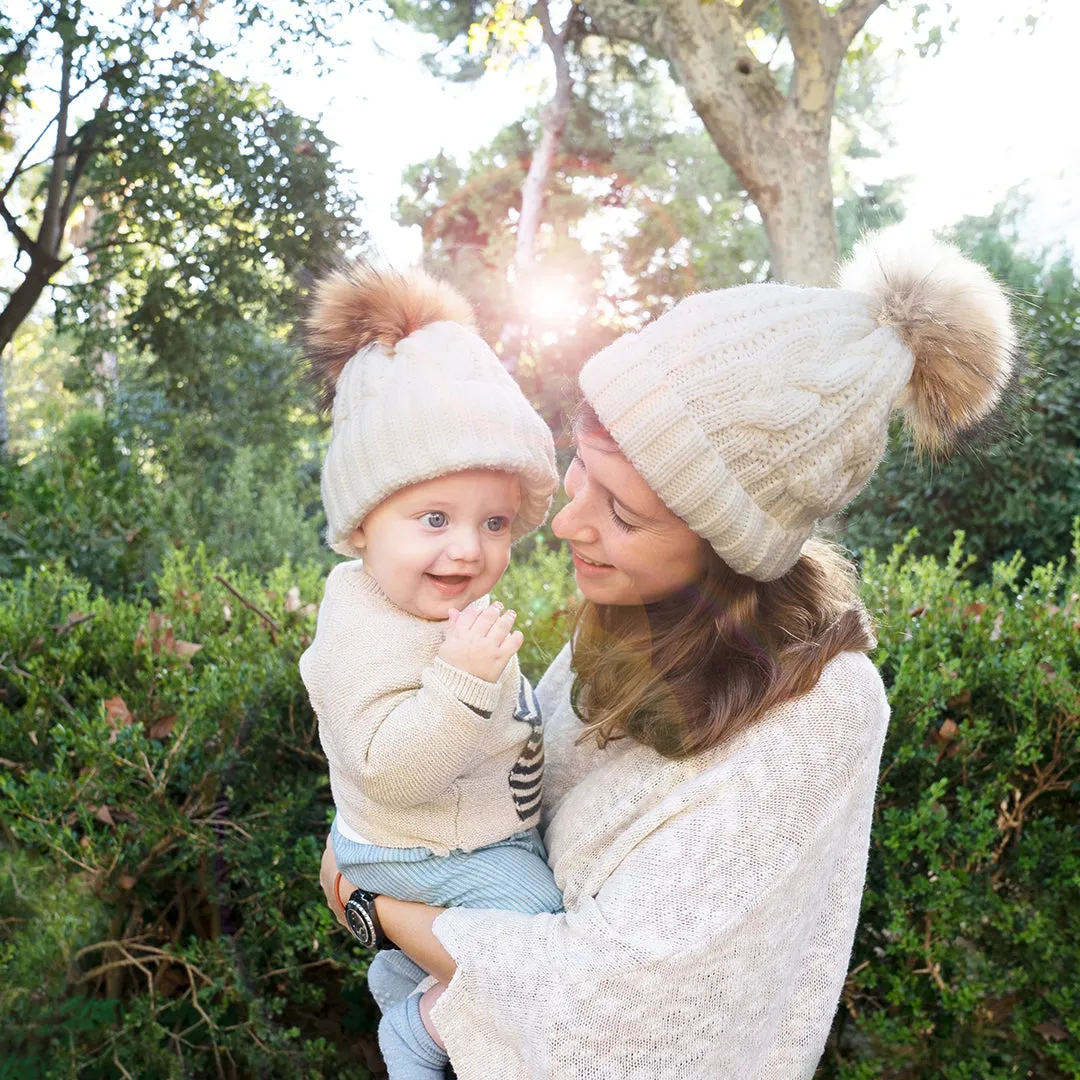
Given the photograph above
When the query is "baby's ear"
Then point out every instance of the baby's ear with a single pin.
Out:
(359, 541)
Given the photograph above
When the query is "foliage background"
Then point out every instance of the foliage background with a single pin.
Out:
(163, 796)
(165, 801)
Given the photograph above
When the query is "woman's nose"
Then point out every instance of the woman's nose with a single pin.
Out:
(572, 521)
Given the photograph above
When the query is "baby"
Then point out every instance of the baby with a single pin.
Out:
(436, 464)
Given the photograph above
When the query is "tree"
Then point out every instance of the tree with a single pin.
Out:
(553, 120)
(189, 193)
(663, 213)
(761, 75)
(775, 138)
(637, 212)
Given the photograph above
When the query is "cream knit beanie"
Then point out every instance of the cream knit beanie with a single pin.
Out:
(755, 411)
(416, 393)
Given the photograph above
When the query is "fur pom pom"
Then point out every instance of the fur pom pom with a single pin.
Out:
(358, 306)
(953, 317)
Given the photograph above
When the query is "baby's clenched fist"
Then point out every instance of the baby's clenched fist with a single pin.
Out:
(481, 640)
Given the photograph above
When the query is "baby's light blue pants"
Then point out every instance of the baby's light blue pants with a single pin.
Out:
(512, 874)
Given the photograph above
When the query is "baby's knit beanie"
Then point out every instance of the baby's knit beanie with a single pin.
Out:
(755, 411)
(416, 393)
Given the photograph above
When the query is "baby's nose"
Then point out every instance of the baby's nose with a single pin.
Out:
(464, 545)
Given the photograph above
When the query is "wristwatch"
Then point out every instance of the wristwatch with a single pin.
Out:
(364, 923)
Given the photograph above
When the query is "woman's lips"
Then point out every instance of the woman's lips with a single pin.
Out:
(450, 584)
(590, 569)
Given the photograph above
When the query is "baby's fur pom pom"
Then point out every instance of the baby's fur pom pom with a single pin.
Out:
(357, 306)
(954, 318)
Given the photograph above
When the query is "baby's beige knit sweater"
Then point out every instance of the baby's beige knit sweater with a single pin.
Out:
(710, 903)
(415, 759)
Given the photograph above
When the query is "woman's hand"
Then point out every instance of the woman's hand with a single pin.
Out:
(406, 924)
(328, 879)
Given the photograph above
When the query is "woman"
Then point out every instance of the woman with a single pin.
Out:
(714, 728)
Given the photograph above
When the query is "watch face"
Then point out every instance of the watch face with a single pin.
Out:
(360, 923)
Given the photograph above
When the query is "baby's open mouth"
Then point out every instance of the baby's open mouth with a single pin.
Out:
(451, 584)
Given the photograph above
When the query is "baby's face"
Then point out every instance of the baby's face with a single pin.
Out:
(442, 543)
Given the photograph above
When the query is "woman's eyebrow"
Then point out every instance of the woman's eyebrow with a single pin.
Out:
(645, 519)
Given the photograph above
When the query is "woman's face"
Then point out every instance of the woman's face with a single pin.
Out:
(628, 547)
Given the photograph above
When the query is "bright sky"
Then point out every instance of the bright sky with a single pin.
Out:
(992, 111)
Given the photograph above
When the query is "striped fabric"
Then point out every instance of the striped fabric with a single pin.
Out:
(512, 874)
(527, 775)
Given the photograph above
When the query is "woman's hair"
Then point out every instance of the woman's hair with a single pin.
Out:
(685, 673)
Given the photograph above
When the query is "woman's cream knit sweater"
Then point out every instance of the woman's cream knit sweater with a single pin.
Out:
(710, 903)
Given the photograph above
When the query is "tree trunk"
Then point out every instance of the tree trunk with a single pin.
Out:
(801, 229)
(782, 159)
(777, 144)
(44, 254)
(553, 119)
(3, 408)
(25, 296)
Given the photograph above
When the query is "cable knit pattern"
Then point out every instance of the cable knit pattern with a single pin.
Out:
(753, 412)
(711, 903)
(440, 403)
(413, 763)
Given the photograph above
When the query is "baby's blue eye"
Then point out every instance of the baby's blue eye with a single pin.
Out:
(435, 520)
(497, 524)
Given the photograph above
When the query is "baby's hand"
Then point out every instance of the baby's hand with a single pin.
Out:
(481, 641)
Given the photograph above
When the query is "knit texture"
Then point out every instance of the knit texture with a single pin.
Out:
(753, 412)
(711, 903)
(421, 754)
(439, 402)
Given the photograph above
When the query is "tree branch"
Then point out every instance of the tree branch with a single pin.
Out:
(93, 249)
(270, 624)
(24, 241)
(749, 11)
(19, 170)
(51, 232)
(805, 22)
(625, 21)
(84, 138)
(818, 51)
(851, 17)
(555, 41)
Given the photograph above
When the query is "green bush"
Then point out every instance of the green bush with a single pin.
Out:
(164, 805)
(258, 521)
(967, 961)
(96, 497)
(539, 586)
(163, 810)
(87, 498)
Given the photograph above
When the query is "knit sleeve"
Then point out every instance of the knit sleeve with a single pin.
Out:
(716, 940)
(425, 739)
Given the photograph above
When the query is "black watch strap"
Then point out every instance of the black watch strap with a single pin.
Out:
(363, 921)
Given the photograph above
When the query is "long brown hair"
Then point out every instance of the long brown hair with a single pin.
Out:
(685, 673)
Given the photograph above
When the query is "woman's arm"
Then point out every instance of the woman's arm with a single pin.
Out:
(406, 924)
